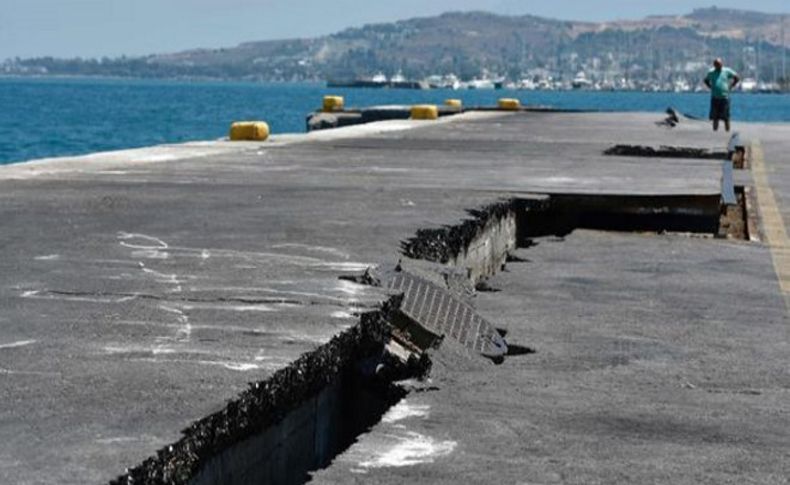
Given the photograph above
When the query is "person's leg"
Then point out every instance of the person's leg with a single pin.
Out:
(727, 125)
(713, 114)
(726, 114)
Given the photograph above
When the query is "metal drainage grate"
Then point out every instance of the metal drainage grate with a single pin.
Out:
(441, 313)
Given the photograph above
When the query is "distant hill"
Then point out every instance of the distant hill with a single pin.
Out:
(470, 44)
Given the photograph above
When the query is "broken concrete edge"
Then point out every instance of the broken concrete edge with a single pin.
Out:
(665, 152)
(115, 161)
(321, 120)
(481, 244)
(728, 196)
(752, 215)
(269, 401)
(450, 245)
(733, 223)
(375, 342)
(674, 117)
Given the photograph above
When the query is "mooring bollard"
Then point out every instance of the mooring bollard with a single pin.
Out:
(509, 104)
(249, 131)
(333, 103)
(424, 112)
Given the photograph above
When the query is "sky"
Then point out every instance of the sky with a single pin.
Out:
(95, 28)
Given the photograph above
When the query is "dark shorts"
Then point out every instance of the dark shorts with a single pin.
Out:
(720, 109)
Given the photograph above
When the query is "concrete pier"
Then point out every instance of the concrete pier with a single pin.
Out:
(141, 291)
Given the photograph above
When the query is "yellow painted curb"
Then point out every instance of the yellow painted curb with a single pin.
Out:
(773, 224)
(249, 131)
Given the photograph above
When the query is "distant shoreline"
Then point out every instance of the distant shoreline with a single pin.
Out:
(5, 76)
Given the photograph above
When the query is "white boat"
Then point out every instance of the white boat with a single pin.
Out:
(581, 81)
(398, 78)
(481, 84)
(749, 85)
(451, 81)
(681, 86)
(527, 85)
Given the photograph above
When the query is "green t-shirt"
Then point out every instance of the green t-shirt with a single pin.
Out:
(720, 82)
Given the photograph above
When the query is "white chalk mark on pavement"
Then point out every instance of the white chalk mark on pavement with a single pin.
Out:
(10, 372)
(48, 295)
(184, 333)
(21, 343)
(404, 410)
(148, 247)
(167, 279)
(229, 308)
(348, 266)
(342, 315)
(319, 249)
(408, 449)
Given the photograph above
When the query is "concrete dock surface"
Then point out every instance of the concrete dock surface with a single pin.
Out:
(141, 291)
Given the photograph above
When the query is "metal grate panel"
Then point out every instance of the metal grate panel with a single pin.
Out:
(440, 312)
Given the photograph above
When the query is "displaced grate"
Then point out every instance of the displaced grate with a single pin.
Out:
(441, 313)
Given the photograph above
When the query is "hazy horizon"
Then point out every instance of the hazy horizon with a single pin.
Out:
(97, 28)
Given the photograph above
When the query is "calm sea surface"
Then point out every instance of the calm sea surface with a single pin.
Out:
(55, 117)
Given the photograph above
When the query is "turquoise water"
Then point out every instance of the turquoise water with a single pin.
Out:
(56, 117)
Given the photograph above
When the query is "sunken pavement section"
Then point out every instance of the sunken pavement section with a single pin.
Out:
(173, 315)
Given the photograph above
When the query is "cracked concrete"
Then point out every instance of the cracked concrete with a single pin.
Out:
(659, 359)
(113, 377)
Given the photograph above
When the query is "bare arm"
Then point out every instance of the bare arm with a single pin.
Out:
(707, 82)
(735, 81)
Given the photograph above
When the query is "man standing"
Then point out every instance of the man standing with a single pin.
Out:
(720, 80)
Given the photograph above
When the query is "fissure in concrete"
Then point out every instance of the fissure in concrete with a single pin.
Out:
(561, 214)
(665, 152)
(735, 220)
(479, 244)
(281, 428)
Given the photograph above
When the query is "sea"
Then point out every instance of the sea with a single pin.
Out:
(52, 117)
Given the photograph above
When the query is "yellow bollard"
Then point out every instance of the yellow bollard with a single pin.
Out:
(424, 112)
(453, 103)
(509, 104)
(333, 103)
(249, 131)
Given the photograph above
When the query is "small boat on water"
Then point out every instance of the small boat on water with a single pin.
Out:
(581, 81)
(380, 80)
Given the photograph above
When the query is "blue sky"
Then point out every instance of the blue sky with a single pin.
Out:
(92, 28)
